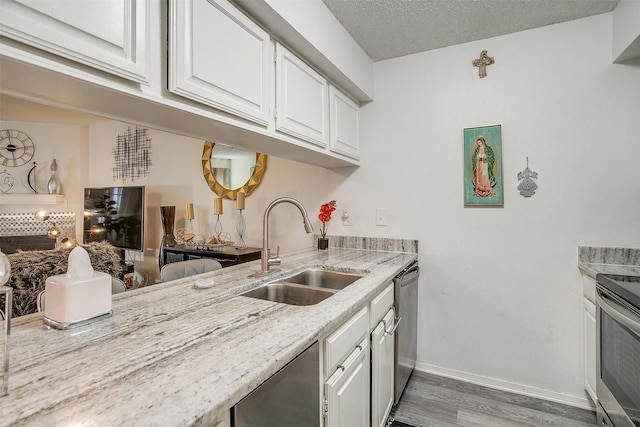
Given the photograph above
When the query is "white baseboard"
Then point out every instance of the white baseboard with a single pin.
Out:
(579, 402)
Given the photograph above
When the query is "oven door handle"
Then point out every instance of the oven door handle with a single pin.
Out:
(619, 313)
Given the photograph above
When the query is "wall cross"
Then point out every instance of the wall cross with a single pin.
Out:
(482, 63)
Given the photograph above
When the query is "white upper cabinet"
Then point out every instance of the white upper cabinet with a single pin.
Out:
(219, 57)
(108, 35)
(344, 119)
(302, 108)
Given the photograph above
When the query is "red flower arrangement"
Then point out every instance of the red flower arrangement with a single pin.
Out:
(325, 216)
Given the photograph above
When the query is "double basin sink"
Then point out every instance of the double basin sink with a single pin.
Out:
(305, 288)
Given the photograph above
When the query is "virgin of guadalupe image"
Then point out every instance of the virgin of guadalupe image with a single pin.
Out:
(482, 167)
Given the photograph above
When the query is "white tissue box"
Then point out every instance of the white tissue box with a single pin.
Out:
(73, 300)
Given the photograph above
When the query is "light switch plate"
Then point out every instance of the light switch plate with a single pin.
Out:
(381, 216)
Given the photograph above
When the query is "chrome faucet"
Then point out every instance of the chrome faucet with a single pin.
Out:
(267, 259)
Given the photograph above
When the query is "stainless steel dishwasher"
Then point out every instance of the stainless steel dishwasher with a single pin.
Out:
(289, 398)
(406, 304)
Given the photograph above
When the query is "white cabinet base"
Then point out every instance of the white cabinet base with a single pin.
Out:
(382, 370)
(347, 391)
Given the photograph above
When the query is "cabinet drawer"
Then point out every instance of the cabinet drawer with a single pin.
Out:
(380, 305)
(342, 342)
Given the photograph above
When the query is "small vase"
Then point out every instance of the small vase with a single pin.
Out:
(323, 243)
(54, 186)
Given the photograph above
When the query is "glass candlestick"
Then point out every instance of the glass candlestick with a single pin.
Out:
(218, 226)
(240, 228)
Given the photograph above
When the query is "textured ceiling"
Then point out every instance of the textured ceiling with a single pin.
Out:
(392, 28)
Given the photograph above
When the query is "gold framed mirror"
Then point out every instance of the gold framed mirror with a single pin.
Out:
(228, 169)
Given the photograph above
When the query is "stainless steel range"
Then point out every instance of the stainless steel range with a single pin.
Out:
(618, 350)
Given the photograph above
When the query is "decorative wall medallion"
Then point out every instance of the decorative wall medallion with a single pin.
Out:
(6, 181)
(132, 155)
(527, 187)
(16, 148)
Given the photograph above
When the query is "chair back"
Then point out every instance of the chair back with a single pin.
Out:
(117, 286)
(178, 270)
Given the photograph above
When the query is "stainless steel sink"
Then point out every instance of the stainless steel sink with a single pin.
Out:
(289, 294)
(305, 288)
(319, 278)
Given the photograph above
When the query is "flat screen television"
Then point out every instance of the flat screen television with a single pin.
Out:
(115, 215)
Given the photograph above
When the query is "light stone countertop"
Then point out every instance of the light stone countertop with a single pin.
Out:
(620, 261)
(172, 355)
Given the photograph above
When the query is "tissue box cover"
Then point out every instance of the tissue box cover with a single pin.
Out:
(73, 299)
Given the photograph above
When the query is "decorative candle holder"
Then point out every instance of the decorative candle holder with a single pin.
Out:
(190, 217)
(241, 228)
(218, 227)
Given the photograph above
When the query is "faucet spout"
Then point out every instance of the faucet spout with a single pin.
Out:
(267, 260)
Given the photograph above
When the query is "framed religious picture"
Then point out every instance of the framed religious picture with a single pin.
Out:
(483, 185)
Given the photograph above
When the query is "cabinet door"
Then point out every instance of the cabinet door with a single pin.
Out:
(589, 342)
(347, 391)
(302, 95)
(382, 370)
(109, 35)
(344, 119)
(219, 57)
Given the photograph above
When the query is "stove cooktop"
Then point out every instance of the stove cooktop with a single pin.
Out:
(626, 287)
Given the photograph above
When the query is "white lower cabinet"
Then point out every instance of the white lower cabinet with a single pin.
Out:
(347, 373)
(589, 335)
(382, 369)
(359, 366)
(347, 390)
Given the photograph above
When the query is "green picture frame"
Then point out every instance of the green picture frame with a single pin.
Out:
(483, 183)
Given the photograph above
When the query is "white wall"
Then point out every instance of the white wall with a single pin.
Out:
(67, 144)
(500, 296)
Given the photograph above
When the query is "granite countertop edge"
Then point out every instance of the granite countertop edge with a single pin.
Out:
(593, 260)
(185, 356)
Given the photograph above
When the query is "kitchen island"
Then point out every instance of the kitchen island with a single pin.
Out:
(173, 355)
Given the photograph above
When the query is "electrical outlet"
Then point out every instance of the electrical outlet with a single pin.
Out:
(381, 216)
(347, 217)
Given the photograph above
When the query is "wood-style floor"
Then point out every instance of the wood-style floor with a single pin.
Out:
(433, 401)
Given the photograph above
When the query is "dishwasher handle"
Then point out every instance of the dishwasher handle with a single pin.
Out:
(406, 278)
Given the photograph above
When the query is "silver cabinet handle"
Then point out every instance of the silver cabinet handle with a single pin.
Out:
(398, 320)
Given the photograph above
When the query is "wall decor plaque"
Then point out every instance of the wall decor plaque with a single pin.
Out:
(483, 184)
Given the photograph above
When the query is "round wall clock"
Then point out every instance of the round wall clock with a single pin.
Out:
(16, 148)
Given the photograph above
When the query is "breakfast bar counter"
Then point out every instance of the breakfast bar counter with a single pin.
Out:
(174, 355)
